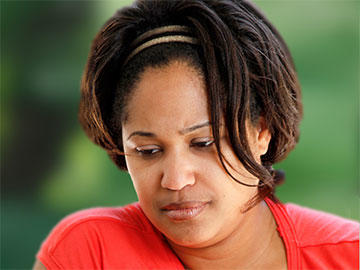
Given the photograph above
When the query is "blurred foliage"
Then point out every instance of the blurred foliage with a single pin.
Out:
(323, 171)
(50, 168)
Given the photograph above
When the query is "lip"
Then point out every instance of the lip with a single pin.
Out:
(184, 210)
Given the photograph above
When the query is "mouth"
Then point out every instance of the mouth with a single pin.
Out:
(184, 210)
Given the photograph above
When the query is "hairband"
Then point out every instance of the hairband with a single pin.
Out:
(165, 34)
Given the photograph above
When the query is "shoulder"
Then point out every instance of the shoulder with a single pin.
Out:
(315, 227)
(99, 236)
(324, 241)
(128, 216)
(321, 240)
(125, 218)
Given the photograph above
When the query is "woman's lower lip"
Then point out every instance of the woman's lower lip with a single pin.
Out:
(184, 213)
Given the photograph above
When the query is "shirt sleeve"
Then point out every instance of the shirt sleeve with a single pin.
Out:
(71, 247)
(343, 255)
(106, 238)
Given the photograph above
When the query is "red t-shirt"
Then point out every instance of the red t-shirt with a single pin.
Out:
(123, 238)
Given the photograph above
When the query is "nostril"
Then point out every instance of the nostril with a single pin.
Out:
(178, 170)
(177, 181)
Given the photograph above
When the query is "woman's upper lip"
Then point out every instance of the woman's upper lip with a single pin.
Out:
(183, 205)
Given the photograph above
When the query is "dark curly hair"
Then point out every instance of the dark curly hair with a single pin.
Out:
(247, 67)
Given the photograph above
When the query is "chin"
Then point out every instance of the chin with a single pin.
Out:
(189, 236)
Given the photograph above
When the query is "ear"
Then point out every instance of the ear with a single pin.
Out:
(263, 137)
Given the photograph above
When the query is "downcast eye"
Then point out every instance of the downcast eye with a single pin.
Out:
(147, 151)
(202, 142)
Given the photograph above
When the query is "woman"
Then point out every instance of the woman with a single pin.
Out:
(196, 99)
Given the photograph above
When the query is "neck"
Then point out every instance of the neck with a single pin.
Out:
(254, 245)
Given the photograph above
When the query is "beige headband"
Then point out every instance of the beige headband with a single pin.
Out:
(162, 39)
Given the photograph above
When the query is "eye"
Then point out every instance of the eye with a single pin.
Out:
(147, 151)
(202, 142)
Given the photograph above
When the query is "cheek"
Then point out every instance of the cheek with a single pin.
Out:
(213, 177)
(144, 178)
(235, 167)
(144, 191)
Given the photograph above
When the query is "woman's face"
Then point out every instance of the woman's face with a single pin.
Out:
(173, 163)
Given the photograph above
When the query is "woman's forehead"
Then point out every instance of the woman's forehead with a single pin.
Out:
(172, 95)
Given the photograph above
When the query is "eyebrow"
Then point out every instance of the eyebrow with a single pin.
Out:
(195, 127)
(141, 133)
(182, 132)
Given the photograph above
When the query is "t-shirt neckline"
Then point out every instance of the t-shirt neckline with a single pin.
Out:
(286, 230)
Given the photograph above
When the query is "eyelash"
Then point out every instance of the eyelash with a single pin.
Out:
(203, 144)
(147, 152)
(154, 151)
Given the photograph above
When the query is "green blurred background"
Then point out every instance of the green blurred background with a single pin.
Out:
(49, 168)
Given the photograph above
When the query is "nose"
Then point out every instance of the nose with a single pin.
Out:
(178, 172)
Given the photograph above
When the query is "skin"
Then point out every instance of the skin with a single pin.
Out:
(172, 161)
